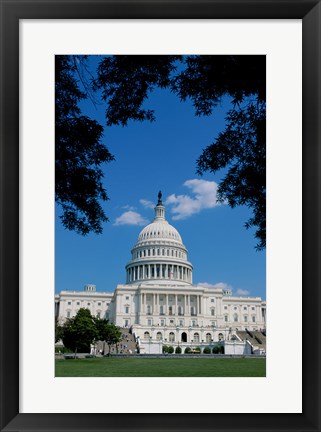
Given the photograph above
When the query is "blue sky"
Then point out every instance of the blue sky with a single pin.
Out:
(162, 156)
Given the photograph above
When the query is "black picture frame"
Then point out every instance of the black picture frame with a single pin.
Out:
(11, 12)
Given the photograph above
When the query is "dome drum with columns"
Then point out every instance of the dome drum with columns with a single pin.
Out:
(160, 304)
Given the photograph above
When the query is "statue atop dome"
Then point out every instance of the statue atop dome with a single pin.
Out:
(160, 198)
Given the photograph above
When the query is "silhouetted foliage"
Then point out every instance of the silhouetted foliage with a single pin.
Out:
(126, 82)
(79, 154)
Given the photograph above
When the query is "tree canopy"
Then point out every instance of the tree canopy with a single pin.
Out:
(125, 83)
(79, 332)
(79, 155)
(82, 330)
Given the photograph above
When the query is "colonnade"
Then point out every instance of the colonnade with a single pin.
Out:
(158, 271)
(179, 305)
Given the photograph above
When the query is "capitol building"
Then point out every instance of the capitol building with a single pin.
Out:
(161, 306)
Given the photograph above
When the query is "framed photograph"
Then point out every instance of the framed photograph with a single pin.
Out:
(37, 42)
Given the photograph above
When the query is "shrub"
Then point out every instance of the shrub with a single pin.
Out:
(221, 349)
(178, 350)
(62, 350)
(170, 350)
(165, 349)
(207, 350)
(197, 350)
(187, 350)
(215, 349)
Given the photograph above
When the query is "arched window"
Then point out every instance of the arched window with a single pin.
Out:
(146, 335)
(196, 337)
(220, 337)
(213, 311)
(171, 337)
(159, 336)
(208, 337)
(235, 317)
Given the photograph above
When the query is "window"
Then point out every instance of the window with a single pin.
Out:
(212, 311)
(193, 323)
(107, 303)
(225, 307)
(220, 337)
(148, 309)
(225, 318)
(78, 303)
(212, 300)
(253, 308)
(208, 337)
(235, 317)
(98, 314)
(69, 303)
(235, 308)
(245, 318)
(170, 310)
(159, 336)
(127, 298)
(196, 337)
(126, 309)
(245, 308)
(149, 322)
(68, 314)
(146, 335)
(180, 310)
(99, 304)
(171, 337)
(88, 304)
(162, 322)
(253, 318)
(161, 310)
(181, 323)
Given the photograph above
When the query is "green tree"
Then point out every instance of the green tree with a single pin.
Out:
(79, 154)
(79, 332)
(58, 331)
(127, 81)
(107, 332)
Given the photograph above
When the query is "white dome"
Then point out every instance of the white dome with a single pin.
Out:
(159, 230)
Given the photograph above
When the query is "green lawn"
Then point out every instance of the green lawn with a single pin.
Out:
(161, 367)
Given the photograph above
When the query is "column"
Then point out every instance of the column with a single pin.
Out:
(148, 271)
(154, 271)
(166, 271)
(176, 310)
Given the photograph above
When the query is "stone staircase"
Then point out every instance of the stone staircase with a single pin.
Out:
(127, 345)
(256, 338)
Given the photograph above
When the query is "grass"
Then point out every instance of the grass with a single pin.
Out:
(161, 367)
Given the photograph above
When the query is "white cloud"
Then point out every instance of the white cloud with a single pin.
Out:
(128, 207)
(130, 218)
(147, 203)
(222, 285)
(242, 292)
(205, 196)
